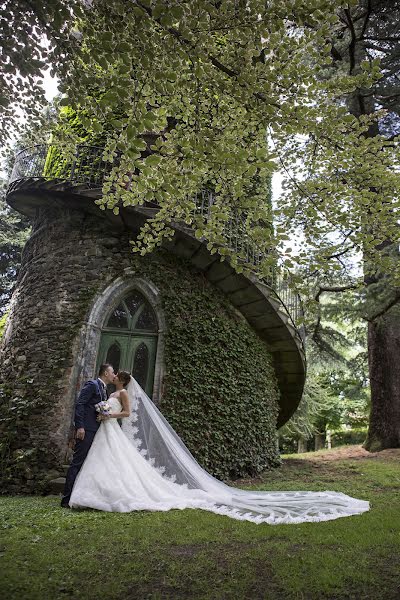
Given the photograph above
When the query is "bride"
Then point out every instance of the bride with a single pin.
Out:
(144, 465)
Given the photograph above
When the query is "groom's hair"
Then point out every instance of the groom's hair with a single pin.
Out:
(103, 369)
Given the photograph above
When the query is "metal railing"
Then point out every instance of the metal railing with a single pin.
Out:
(86, 167)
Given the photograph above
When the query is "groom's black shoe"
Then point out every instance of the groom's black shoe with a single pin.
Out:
(65, 505)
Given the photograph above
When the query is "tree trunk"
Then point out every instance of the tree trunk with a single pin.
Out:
(301, 445)
(384, 370)
(329, 439)
(384, 331)
(319, 439)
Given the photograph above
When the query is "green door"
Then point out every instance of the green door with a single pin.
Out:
(129, 340)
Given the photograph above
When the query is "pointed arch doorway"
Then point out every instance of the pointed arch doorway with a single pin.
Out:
(129, 339)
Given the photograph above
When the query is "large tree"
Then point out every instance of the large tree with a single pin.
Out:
(369, 32)
(193, 91)
(374, 31)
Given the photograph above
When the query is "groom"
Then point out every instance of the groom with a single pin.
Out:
(86, 424)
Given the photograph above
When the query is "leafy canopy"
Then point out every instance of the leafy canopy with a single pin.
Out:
(217, 93)
(34, 35)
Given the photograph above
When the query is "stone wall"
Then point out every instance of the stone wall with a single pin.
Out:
(219, 388)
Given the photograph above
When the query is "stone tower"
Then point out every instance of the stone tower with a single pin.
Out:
(218, 352)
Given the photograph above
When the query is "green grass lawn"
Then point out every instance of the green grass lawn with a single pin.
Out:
(50, 553)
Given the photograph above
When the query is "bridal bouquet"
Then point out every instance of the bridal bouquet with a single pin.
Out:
(103, 408)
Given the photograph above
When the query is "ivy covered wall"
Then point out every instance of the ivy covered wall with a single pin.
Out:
(219, 390)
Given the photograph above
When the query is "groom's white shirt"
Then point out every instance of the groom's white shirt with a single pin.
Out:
(104, 387)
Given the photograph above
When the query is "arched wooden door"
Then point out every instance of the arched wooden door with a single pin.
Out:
(129, 339)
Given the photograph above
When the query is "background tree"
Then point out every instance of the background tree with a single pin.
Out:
(374, 29)
(336, 395)
(14, 231)
(15, 228)
(318, 409)
(366, 33)
(34, 36)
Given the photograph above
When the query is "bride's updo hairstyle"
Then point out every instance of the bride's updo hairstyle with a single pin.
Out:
(124, 377)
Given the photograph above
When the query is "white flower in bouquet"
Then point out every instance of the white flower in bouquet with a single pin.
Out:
(103, 408)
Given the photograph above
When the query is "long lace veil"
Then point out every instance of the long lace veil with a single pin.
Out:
(155, 439)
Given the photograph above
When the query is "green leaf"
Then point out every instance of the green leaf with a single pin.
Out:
(124, 47)
(158, 10)
(131, 132)
(153, 160)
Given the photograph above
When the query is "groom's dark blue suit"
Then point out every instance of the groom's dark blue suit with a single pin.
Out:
(85, 418)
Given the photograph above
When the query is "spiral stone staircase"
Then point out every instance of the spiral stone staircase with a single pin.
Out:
(272, 307)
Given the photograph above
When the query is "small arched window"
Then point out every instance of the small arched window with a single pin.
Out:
(118, 318)
(146, 320)
(133, 313)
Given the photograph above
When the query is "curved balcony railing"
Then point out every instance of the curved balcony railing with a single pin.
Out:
(86, 167)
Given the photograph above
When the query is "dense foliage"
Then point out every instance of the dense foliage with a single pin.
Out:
(34, 36)
(220, 388)
(220, 94)
(14, 231)
(336, 395)
(199, 112)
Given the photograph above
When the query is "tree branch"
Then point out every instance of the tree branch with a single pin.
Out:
(383, 310)
(384, 39)
(334, 288)
(342, 252)
(352, 45)
(214, 61)
(367, 16)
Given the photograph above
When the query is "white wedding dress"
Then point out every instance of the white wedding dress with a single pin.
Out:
(118, 476)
